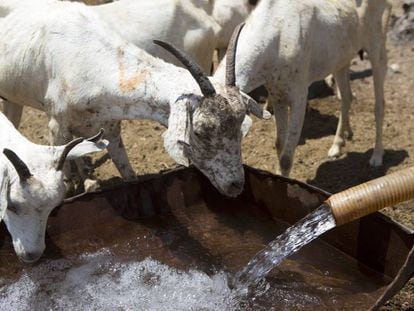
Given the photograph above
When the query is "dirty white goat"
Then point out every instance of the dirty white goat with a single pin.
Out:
(286, 45)
(63, 59)
(31, 185)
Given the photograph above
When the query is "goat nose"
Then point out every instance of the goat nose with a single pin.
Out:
(30, 257)
(237, 184)
(235, 188)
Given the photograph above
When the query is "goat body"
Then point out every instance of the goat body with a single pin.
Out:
(286, 45)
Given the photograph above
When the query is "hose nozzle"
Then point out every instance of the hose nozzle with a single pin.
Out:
(372, 196)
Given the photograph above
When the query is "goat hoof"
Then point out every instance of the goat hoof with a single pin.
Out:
(375, 161)
(91, 185)
(334, 152)
(70, 188)
(268, 107)
(285, 165)
(349, 135)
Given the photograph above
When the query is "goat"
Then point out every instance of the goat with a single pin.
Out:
(31, 185)
(66, 61)
(286, 45)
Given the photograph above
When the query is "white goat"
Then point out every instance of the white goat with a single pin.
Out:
(286, 45)
(31, 185)
(63, 59)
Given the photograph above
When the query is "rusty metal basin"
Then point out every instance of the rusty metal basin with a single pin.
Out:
(179, 219)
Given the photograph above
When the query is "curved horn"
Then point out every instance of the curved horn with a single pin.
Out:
(196, 71)
(231, 57)
(97, 137)
(21, 168)
(66, 151)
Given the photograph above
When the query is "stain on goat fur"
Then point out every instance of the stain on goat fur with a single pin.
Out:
(223, 114)
(131, 83)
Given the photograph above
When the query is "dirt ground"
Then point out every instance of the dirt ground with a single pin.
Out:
(145, 147)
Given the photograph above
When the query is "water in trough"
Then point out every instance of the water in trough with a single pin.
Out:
(99, 257)
(103, 280)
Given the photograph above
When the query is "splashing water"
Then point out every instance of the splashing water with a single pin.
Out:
(99, 282)
(294, 238)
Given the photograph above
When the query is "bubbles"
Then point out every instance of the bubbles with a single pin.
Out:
(98, 282)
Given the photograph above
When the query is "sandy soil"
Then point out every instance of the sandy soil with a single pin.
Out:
(145, 147)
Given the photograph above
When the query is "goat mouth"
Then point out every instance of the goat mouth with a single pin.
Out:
(30, 258)
(231, 191)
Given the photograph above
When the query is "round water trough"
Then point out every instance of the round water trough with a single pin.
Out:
(179, 219)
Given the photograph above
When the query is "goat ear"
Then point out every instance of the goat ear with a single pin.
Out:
(4, 189)
(86, 147)
(245, 127)
(178, 150)
(176, 136)
(254, 108)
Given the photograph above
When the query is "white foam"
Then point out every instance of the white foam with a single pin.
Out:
(99, 282)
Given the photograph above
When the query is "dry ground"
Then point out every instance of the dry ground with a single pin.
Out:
(145, 147)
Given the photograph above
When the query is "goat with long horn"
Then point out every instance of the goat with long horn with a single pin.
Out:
(122, 82)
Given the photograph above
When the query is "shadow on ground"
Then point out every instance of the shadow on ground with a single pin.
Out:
(317, 125)
(353, 169)
(360, 74)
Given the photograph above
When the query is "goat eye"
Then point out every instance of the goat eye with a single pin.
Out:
(201, 132)
(200, 136)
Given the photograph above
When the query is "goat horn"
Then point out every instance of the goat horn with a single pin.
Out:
(97, 137)
(66, 151)
(231, 57)
(196, 71)
(21, 168)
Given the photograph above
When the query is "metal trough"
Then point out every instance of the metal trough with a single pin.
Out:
(178, 218)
